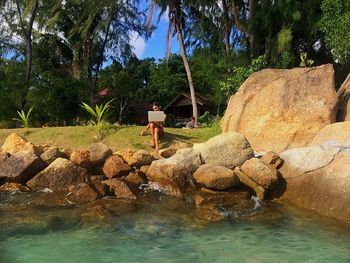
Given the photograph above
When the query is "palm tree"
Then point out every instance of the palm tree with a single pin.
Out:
(175, 10)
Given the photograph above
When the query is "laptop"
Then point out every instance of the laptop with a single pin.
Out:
(155, 116)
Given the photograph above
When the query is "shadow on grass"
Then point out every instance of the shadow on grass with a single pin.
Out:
(169, 139)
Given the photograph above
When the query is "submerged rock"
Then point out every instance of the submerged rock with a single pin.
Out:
(215, 177)
(228, 149)
(221, 198)
(58, 176)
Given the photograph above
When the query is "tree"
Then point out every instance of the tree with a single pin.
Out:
(335, 24)
(176, 15)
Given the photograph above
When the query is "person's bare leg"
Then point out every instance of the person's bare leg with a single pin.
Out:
(152, 127)
(156, 137)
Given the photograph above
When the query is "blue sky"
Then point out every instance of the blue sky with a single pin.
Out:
(155, 46)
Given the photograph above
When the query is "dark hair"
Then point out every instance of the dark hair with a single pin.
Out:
(156, 104)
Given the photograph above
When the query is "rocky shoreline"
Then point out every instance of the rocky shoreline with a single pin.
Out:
(223, 172)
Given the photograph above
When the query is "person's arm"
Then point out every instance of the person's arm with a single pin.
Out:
(145, 130)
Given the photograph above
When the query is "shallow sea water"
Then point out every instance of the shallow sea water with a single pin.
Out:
(44, 228)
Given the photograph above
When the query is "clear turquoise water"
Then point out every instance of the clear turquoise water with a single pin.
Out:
(43, 228)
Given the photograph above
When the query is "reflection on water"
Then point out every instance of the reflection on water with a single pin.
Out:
(43, 227)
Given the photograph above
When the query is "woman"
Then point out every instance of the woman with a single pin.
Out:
(157, 128)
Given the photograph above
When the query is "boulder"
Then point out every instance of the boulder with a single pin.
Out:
(220, 198)
(81, 158)
(81, 193)
(259, 172)
(4, 156)
(272, 159)
(278, 109)
(99, 152)
(250, 184)
(324, 188)
(114, 166)
(175, 173)
(166, 153)
(126, 154)
(136, 178)
(12, 187)
(98, 186)
(343, 97)
(337, 132)
(119, 188)
(139, 158)
(15, 143)
(215, 177)
(21, 167)
(52, 154)
(304, 160)
(228, 149)
(60, 174)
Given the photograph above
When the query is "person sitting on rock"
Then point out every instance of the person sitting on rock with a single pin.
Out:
(156, 127)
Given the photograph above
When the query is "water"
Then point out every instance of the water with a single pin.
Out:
(43, 227)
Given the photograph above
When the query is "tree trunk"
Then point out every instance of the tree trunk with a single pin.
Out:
(27, 35)
(242, 27)
(227, 29)
(188, 72)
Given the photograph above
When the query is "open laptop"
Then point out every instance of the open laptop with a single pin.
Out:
(155, 116)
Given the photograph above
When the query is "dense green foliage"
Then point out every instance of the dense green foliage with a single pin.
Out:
(56, 54)
(335, 23)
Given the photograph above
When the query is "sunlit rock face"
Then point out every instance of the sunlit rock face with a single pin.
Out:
(318, 178)
(281, 109)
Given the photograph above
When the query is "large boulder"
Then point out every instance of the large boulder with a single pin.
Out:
(60, 174)
(114, 166)
(21, 167)
(250, 183)
(15, 143)
(338, 132)
(318, 179)
(299, 161)
(344, 105)
(174, 174)
(228, 149)
(215, 177)
(278, 109)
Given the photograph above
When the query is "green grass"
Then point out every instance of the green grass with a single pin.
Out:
(117, 137)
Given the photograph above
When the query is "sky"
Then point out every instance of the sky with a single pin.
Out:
(155, 46)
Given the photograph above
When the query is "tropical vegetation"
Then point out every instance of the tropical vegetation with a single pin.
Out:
(54, 55)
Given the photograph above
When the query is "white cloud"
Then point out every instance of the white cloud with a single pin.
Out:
(138, 44)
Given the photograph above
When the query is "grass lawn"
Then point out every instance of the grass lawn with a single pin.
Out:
(118, 137)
